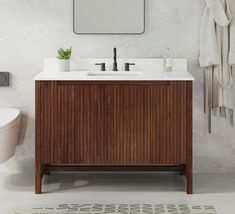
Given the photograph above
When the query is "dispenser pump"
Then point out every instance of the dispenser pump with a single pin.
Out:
(168, 61)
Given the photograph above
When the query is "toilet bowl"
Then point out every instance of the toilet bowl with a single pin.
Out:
(9, 132)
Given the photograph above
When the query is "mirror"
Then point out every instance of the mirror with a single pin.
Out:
(109, 16)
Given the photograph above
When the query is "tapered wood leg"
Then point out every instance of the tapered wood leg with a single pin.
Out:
(38, 179)
(189, 180)
(189, 138)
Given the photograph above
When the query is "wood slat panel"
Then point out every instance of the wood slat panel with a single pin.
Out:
(113, 124)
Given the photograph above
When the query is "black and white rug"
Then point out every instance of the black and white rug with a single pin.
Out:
(118, 209)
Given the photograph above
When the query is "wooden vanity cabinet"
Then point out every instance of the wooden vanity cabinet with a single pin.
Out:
(113, 125)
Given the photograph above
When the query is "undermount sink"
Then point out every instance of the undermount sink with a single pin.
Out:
(114, 73)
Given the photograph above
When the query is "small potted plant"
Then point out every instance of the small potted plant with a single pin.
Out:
(63, 59)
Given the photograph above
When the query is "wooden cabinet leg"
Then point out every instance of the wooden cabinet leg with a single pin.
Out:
(38, 179)
(189, 180)
(189, 138)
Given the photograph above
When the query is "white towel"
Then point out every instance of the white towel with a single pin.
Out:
(232, 34)
(215, 52)
(214, 13)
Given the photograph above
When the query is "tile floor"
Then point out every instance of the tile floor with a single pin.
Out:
(17, 188)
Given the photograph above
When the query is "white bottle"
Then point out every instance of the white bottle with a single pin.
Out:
(168, 61)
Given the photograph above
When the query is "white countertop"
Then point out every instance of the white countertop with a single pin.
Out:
(145, 76)
(151, 69)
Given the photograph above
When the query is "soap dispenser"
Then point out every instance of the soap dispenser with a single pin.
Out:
(168, 61)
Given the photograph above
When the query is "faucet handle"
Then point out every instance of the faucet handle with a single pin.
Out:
(102, 66)
(127, 66)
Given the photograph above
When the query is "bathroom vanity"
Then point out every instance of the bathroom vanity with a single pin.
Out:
(126, 123)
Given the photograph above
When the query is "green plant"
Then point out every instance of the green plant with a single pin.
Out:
(64, 54)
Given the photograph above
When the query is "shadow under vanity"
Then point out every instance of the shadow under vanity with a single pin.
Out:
(116, 123)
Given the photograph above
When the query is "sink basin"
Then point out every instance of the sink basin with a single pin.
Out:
(114, 73)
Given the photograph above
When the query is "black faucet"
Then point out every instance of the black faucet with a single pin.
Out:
(115, 66)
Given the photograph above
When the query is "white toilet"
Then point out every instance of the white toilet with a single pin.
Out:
(9, 132)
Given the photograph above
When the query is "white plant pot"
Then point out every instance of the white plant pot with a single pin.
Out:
(64, 65)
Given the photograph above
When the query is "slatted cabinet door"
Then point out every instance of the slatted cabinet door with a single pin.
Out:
(77, 124)
(149, 123)
(113, 124)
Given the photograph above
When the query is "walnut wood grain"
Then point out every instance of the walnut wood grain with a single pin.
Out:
(114, 123)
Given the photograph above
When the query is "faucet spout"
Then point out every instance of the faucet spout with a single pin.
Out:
(115, 66)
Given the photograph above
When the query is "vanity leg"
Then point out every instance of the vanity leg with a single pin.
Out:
(189, 138)
(38, 179)
(189, 180)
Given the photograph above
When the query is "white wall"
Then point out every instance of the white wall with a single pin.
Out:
(31, 30)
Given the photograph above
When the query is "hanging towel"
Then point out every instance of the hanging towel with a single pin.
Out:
(232, 50)
(232, 35)
(214, 14)
(214, 57)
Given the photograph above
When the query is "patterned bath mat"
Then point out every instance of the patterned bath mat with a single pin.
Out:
(119, 209)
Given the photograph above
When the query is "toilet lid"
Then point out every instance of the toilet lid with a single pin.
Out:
(8, 115)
